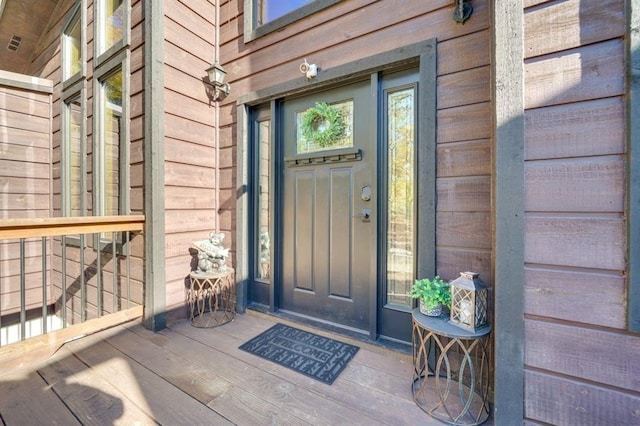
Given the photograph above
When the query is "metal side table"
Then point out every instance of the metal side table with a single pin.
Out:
(212, 298)
(450, 370)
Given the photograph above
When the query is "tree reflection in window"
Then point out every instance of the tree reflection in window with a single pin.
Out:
(264, 239)
(112, 121)
(112, 23)
(401, 190)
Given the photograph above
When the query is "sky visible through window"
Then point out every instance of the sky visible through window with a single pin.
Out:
(273, 9)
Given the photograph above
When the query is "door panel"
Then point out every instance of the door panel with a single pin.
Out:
(328, 247)
(304, 208)
(340, 231)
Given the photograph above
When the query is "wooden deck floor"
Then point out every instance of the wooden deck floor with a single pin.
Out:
(190, 376)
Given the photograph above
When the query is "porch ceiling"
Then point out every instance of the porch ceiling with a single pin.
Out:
(28, 20)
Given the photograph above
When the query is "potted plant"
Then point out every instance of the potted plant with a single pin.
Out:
(432, 294)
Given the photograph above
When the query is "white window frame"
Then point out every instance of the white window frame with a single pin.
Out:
(77, 14)
(118, 63)
(99, 53)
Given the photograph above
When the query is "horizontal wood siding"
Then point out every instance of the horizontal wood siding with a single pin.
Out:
(190, 139)
(46, 63)
(579, 361)
(356, 29)
(25, 181)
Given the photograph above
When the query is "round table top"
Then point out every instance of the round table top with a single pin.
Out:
(442, 326)
(211, 275)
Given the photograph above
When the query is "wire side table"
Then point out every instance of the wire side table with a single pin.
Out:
(212, 298)
(450, 370)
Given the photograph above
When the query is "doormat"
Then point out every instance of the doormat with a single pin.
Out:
(315, 356)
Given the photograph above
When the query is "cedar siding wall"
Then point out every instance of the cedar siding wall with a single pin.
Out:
(580, 364)
(189, 129)
(355, 29)
(46, 63)
(25, 179)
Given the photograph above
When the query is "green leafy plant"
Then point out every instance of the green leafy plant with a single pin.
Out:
(323, 124)
(431, 292)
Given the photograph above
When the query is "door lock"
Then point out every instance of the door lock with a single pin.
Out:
(366, 215)
(365, 193)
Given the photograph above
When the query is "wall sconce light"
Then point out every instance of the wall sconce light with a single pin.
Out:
(216, 82)
(462, 11)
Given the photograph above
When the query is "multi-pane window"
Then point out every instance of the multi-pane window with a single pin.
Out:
(111, 24)
(73, 140)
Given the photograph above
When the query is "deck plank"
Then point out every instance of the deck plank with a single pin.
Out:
(368, 394)
(166, 404)
(186, 375)
(276, 389)
(27, 399)
(93, 400)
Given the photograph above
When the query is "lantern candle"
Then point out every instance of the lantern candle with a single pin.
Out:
(469, 300)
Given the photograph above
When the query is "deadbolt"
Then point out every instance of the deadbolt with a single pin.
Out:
(365, 194)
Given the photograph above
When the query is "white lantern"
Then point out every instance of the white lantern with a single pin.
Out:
(469, 301)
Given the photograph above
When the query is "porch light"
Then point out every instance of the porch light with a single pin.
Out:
(468, 302)
(216, 76)
(462, 11)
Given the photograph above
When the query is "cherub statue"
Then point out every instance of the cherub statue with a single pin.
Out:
(211, 255)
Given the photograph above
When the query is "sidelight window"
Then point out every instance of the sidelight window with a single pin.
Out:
(263, 261)
(400, 132)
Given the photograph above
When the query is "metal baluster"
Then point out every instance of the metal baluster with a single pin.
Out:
(128, 273)
(83, 290)
(23, 293)
(64, 281)
(99, 275)
(0, 306)
(115, 276)
(44, 285)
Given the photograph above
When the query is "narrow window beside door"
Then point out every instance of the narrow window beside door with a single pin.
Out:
(401, 195)
(263, 263)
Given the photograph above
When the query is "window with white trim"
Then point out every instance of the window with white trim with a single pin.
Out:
(111, 24)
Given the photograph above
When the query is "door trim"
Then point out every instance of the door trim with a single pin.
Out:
(422, 54)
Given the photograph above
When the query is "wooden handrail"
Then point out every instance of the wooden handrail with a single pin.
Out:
(58, 226)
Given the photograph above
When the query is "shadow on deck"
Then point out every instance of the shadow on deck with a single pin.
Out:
(186, 375)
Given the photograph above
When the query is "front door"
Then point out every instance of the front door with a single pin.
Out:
(329, 198)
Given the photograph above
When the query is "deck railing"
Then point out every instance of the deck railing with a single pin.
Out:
(57, 272)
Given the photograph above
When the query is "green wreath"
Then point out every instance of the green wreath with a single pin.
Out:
(322, 124)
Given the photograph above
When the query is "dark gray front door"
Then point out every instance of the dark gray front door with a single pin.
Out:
(329, 223)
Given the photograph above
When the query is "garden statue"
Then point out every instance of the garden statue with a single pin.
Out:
(212, 256)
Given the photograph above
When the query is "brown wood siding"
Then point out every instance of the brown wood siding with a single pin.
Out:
(575, 230)
(356, 29)
(46, 63)
(25, 179)
(190, 145)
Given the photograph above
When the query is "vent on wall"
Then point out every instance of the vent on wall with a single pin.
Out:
(14, 43)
